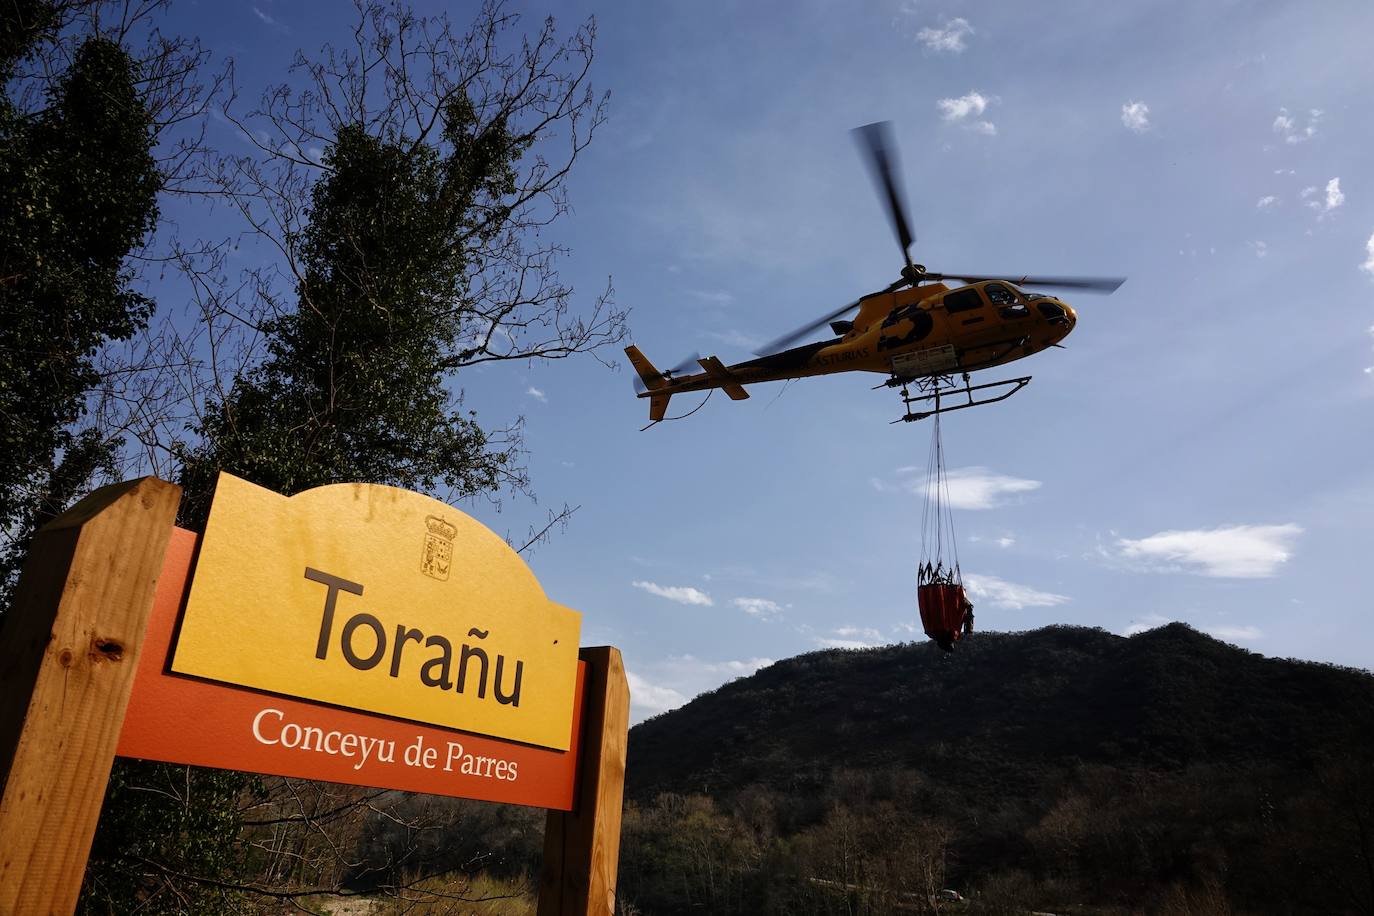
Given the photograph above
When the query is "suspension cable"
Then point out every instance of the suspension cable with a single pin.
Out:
(937, 516)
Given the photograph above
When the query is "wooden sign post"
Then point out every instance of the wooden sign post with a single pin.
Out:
(92, 666)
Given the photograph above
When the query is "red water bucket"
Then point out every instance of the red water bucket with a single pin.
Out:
(943, 607)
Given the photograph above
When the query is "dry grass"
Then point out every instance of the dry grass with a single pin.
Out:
(448, 895)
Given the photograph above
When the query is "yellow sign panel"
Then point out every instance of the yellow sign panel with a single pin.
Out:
(378, 599)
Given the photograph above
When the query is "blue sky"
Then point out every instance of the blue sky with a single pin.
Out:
(1199, 452)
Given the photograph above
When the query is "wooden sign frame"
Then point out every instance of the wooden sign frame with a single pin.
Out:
(70, 646)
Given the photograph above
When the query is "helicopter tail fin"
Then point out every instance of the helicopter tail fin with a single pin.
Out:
(723, 379)
(653, 379)
(658, 406)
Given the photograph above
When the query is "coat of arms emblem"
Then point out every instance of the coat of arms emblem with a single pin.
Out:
(438, 555)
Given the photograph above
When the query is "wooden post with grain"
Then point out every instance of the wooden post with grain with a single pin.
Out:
(582, 846)
(69, 648)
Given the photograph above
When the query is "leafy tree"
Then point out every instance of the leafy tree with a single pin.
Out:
(401, 188)
(78, 192)
(353, 387)
(93, 94)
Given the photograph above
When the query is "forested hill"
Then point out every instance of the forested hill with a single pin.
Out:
(1005, 712)
(1059, 769)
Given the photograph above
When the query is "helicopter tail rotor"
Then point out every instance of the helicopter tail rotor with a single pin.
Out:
(650, 379)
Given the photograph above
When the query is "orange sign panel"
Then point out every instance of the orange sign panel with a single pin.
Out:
(378, 599)
(190, 720)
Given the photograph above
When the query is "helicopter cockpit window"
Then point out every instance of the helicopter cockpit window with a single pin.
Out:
(999, 294)
(1005, 300)
(962, 300)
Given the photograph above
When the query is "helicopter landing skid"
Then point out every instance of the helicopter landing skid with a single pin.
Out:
(933, 388)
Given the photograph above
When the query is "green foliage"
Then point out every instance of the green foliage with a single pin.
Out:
(78, 189)
(160, 824)
(27, 22)
(354, 384)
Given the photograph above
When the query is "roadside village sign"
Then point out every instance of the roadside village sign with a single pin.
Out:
(353, 633)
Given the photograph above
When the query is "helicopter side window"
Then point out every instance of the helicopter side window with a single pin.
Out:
(1008, 306)
(962, 300)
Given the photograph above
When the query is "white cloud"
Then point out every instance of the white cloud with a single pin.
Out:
(1001, 593)
(1368, 265)
(950, 38)
(850, 637)
(828, 643)
(1136, 116)
(536, 394)
(682, 594)
(735, 338)
(741, 668)
(1231, 633)
(1004, 541)
(858, 633)
(1266, 202)
(967, 111)
(691, 665)
(1261, 249)
(975, 103)
(966, 488)
(712, 296)
(757, 607)
(1334, 195)
(1325, 203)
(665, 684)
(1286, 126)
(979, 488)
(1230, 552)
(268, 20)
(1235, 634)
(652, 699)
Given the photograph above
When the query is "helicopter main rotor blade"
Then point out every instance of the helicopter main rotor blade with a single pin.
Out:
(785, 341)
(879, 146)
(1087, 284)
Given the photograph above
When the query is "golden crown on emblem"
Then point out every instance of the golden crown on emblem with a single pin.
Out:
(440, 528)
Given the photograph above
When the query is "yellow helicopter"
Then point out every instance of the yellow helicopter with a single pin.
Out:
(917, 331)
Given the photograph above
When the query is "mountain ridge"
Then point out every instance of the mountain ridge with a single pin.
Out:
(1160, 699)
